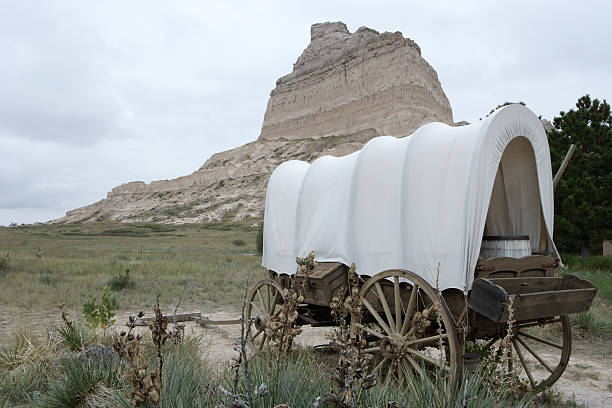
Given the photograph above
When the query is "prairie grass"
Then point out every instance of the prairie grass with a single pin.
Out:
(47, 279)
(25, 366)
(591, 323)
(591, 263)
(121, 282)
(76, 378)
(198, 261)
(34, 375)
(597, 322)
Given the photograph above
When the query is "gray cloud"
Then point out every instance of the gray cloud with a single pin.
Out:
(96, 94)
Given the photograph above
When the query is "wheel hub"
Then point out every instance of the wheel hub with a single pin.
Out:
(261, 322)
(394, 346)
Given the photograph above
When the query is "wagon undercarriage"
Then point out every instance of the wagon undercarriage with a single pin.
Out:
(516, 313)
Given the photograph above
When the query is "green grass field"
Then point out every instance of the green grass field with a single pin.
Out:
(208, 264)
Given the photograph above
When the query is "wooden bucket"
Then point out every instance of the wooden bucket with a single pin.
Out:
(511, 246)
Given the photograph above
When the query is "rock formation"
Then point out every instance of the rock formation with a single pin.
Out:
(344, 83)
(344, 90)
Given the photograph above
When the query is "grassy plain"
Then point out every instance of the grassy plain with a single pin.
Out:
(206, 264)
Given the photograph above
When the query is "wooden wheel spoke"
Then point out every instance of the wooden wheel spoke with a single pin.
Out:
(415, 366)
(257, 334)
(389, 371)
(533, 353)
(430, 339)
(401, 373)
(410, 309)
(263, 341)
(379, 319)
(274, 301)
(428, 359)
(385, 305)
(398, 304)
(261, 299)
(523, 362)
(268, 298)
(541, 340)
(373, 332)
(257, 308)
(405, 367)
(371, 349)
(380, 365)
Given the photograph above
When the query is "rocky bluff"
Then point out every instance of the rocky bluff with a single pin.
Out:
(345, 89)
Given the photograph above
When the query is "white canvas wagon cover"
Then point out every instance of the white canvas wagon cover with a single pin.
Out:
(416, 202)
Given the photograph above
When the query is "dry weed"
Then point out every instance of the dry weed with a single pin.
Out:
(351, 373)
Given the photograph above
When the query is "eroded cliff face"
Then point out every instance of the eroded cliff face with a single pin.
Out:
(345, 89)
(343, 83)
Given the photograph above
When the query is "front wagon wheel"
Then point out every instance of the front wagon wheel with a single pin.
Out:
(411, 327)
(264, 303)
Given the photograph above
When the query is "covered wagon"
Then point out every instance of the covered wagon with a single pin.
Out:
(462, 216)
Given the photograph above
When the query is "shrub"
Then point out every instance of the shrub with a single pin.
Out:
(4, 263)
(77, 378)
(99, 314)
(590, 263)
(432, 391)
(121, 281)
(74, 337)
(124, 232)
(188, 380)
(296, 380)
(47, 279)
(259, 240)
(24, 369)
(591, 324)
(238, 242)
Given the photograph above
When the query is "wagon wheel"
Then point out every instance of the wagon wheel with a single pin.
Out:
(406, 336)
(263, 304)
(542, 349)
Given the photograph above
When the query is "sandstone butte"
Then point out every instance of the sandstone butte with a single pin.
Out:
(345, 89)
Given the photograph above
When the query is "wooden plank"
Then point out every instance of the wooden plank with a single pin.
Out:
(534, 298)
(180, 317)
(505, 267)
(555, 303)
(325, 282)
(515, 286)
(488, 299)
(205, 320)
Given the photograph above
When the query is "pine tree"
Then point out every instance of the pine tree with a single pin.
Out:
(583, 197)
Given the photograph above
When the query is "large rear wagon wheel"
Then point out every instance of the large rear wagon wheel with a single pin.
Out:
(264, 303)
(411, 330)
(541, 350)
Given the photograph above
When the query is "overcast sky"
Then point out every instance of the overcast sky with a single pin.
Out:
(95, 94)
